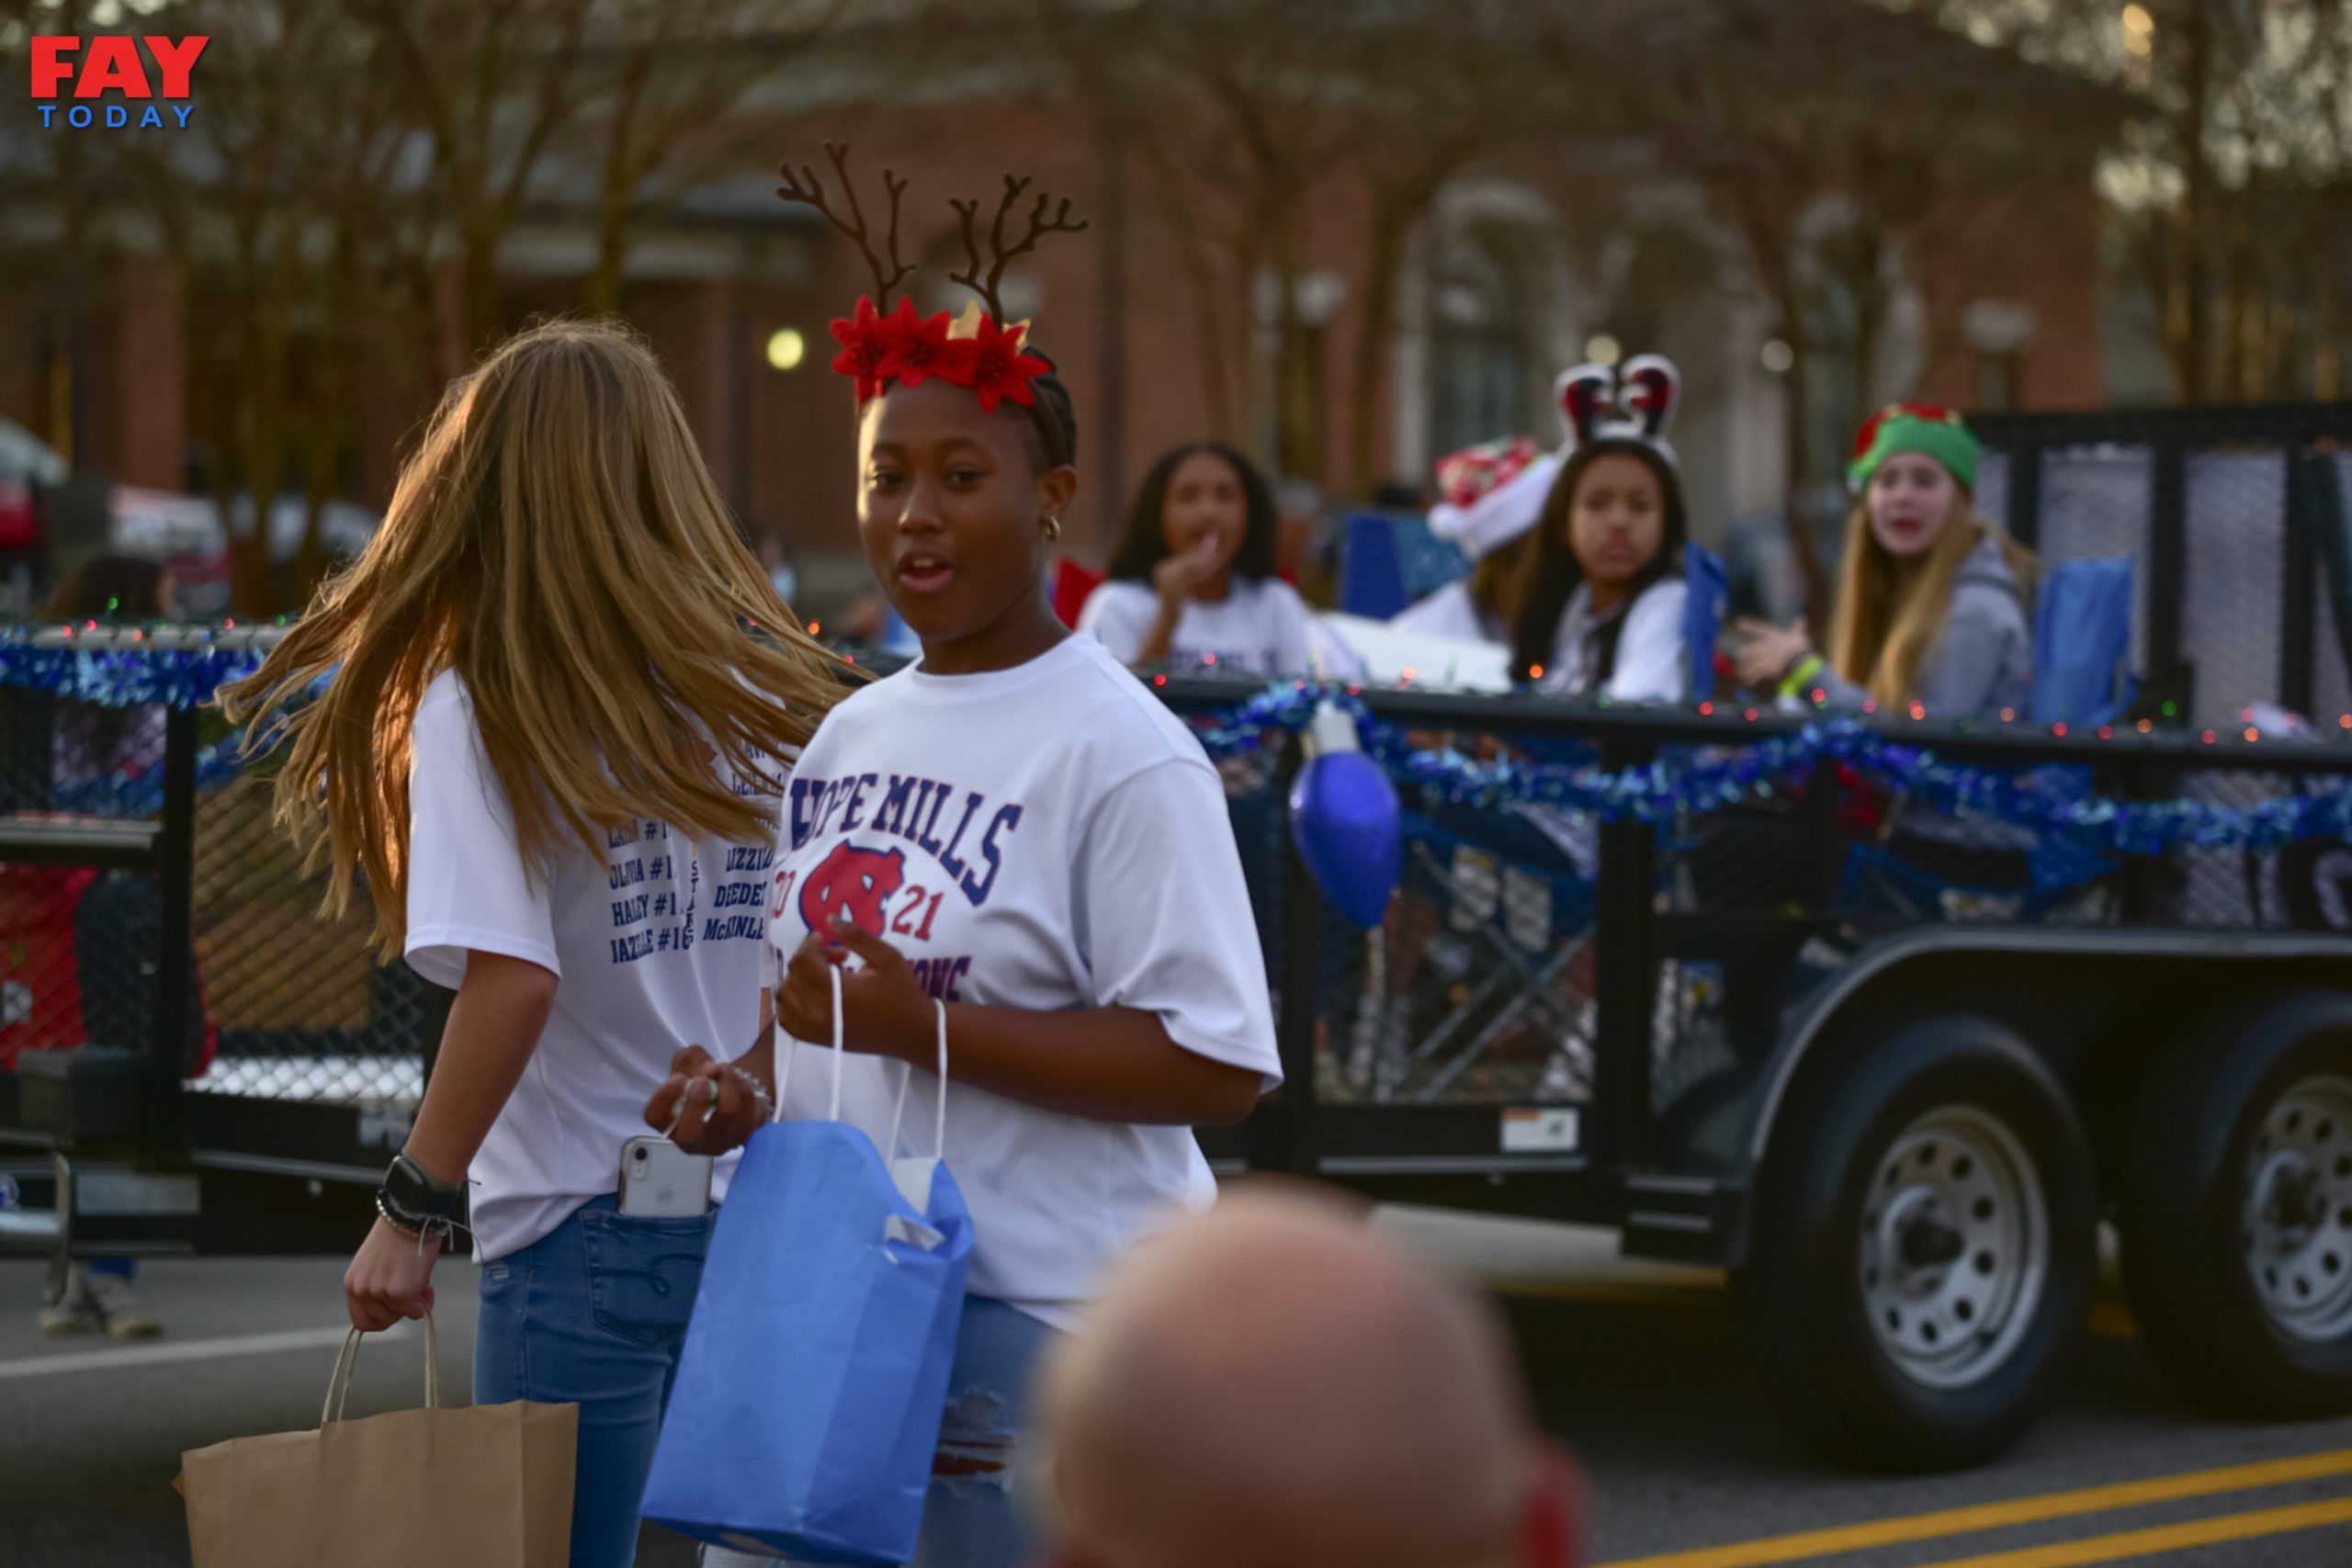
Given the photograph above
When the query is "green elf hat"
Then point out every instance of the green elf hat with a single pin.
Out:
(1939, 432)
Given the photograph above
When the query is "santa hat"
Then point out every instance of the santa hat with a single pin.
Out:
(1492, 494)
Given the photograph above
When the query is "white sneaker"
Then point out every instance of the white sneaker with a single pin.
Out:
(124, 1316)
(73, 1313)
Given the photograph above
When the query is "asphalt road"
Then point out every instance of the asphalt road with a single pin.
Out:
(1634, 1366)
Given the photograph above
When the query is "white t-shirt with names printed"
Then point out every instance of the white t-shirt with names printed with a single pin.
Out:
(1046, 837)
(655, 942)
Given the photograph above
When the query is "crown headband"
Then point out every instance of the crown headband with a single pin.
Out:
(1638, 405)
(980, 349)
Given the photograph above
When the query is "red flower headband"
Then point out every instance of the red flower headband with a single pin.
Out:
(911, 349)
(907, 348)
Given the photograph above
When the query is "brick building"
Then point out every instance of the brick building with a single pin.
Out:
(1510, 277)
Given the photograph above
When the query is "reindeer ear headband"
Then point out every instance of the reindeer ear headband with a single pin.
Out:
(980, 349)
(1636, 404)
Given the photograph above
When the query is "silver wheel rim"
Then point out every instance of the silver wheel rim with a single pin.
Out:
(1955, 1246)
(2296, 1223)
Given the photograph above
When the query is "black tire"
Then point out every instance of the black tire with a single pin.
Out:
(2212, 1129)
(1810, 1291)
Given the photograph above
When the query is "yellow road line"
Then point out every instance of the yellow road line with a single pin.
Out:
(2017, 1511)
(2168, 1537)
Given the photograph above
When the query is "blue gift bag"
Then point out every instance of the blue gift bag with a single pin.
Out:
(809, 1394)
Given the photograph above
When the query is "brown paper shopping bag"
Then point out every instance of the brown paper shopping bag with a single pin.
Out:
(480, 1486)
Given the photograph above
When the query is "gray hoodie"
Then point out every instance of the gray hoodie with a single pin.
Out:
(1984, 662)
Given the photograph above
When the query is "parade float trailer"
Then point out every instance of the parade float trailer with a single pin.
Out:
(1756, 1027)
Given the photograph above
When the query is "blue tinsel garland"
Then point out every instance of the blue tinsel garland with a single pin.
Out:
(127, 677)
(1686, 782)
(122, 677)
(1692, 781)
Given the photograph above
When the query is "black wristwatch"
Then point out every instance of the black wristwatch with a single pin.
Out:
(413, 1199)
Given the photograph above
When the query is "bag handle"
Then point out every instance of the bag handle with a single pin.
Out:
(784, 1047)
(939, 1136)
(346, 1363)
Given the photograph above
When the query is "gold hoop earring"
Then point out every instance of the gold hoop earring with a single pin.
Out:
(1053, 528)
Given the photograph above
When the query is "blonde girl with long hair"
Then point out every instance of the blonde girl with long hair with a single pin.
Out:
(1933, 607)
(552, 746)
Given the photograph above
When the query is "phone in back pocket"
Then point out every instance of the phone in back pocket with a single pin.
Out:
(661, 1180)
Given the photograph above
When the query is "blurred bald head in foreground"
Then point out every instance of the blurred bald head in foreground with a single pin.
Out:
(1271, 1386)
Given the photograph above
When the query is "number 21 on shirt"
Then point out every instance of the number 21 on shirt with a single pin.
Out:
(919, 903)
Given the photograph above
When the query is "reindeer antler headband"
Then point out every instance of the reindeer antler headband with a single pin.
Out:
(981, 350)
(805, 188)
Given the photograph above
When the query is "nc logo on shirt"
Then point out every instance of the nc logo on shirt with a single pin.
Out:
(853, 884)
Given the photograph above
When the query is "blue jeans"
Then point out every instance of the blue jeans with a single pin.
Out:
(595, 1313)
(971, 1520)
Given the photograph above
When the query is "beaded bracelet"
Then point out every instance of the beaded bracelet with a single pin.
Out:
(759, 1092)
(417, 1225)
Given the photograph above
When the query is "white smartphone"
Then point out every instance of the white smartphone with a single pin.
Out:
(661, 1180)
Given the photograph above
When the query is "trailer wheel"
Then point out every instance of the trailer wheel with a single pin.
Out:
(2237, 1213)
(1924, 1247)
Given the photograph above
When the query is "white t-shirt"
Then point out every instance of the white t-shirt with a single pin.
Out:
(1451, 612)
(1045, 838)
(1259, 626)
(655, 944)
(1652, 665)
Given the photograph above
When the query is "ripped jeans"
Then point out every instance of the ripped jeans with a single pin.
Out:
(971, 1520)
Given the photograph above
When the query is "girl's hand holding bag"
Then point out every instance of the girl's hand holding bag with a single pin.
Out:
(809, 1399)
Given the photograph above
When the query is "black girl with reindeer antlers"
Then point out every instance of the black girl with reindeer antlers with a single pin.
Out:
(1016, 826)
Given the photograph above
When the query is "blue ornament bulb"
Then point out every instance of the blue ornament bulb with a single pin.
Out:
(1347, 823)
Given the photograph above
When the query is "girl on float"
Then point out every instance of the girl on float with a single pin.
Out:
(1934, 618)
(1579, 553)
(1015, 826)
(1492, 495)
(1601, 614)
(553, 750)
(1192, 580)
(1193, 583)
(1605, 611)
(1933, 603)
